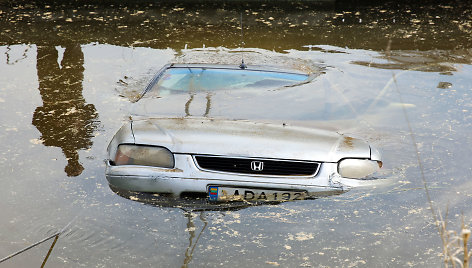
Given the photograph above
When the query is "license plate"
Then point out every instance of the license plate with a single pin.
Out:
(220, 193)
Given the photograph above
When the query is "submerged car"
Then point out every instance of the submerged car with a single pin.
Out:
(228, 160)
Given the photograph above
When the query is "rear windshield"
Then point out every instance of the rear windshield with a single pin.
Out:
(175, 80)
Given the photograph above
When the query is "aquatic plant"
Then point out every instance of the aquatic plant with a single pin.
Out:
(455, 250)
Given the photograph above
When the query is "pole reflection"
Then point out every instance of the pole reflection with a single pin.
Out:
(193, 239)
(190, 100)
(65, 120)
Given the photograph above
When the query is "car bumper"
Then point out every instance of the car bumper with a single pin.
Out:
(188, 178)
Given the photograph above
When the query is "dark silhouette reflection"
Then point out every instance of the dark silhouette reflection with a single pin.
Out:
(193, 239)
(64, 120)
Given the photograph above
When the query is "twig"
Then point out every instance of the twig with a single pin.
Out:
(57, 234)
(49, 252)
(27, 248)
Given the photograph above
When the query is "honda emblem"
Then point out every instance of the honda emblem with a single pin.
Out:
(257, 165)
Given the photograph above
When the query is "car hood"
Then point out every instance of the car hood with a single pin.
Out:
(239, 138)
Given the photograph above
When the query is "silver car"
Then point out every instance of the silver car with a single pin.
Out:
(231, 160)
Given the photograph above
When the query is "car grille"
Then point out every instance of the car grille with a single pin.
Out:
(257, 166)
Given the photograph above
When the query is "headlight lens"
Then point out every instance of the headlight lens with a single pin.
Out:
(358, 168)
(144, 156)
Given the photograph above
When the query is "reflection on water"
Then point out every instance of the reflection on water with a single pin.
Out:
(65, 120)
(9, 61)
(199, 202)
(87, 49)
(193, 239)
(425, 61)
(188, 203)
(272, 25)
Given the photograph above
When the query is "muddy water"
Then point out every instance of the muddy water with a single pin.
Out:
(394, 74)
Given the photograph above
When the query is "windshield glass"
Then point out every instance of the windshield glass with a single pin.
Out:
(175, 80)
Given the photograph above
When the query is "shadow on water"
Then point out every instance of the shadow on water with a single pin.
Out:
(65, 120)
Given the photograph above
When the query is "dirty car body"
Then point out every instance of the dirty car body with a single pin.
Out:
(233, 159)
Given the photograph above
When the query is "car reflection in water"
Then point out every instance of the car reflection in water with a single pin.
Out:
(194, 208)
(195, 203)
(65, 120)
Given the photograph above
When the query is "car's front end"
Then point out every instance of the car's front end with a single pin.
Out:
(230, 159)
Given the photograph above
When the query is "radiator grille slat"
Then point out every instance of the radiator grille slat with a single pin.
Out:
(269, 167)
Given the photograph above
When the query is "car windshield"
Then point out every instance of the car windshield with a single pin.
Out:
(175, 80)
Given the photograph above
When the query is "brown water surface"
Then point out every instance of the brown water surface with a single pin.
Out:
(68, 75)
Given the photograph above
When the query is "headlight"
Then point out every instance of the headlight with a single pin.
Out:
(144, 156)
(358, 168)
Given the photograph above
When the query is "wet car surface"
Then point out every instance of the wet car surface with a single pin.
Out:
(384, 72)
(232, 159)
